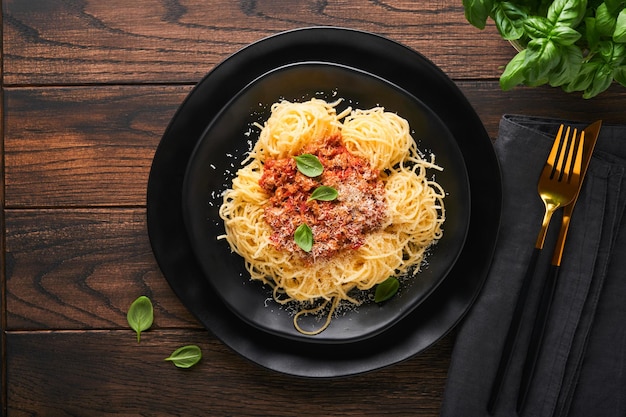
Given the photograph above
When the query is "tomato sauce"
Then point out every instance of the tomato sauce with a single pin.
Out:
(338, 225)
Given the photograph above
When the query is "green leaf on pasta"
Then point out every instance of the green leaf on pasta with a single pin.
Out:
(303, 237)
(386, 289)
(324, 193)
(309, 165)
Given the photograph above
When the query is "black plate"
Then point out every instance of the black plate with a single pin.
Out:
(224, 145)
(432, 319)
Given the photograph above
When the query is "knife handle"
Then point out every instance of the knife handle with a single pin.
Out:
(511, 335)
(536, 338)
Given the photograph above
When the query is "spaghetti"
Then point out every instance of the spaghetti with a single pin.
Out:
(387, 212)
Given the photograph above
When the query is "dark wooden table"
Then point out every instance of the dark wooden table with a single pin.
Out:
(88, 89)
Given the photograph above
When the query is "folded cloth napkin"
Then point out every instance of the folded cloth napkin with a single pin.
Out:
(581, 371)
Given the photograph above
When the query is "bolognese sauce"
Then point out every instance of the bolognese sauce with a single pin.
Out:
(337, 225)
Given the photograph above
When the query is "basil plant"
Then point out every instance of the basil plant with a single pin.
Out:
(578, 45)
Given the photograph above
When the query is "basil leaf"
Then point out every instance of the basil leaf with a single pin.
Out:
(620, 75)
(309, 165)
(477, 12)
(537, 27)
(583, 79)
(602, 79)
(620, 28)
(303, 236)
(324, 193)
(140, 315)
(386, 289)
(591, 32)
(513, 73)
(619, 54)
(605, 21)
(567, 12)
(541, 58)
(568, 67)
(564, 35)
(614, 6)
(509, 20)
(186, 356)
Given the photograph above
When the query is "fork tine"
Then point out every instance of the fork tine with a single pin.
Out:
(551, 161)
(578, 164)
(567, 169)
(573, 166)
(558, 170)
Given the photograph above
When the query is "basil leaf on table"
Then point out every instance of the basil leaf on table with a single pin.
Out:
(140, 315)
(324, 193)
(386, 289)
(303, 236)
(186, 356)
(309, 165)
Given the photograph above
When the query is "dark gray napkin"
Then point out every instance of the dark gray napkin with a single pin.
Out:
(582, 365)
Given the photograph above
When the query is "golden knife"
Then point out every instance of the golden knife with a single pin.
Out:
(591, 136)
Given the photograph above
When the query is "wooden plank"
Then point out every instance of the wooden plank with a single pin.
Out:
(81, 269)
(491, 103)
(93, 146)
(148, 41)
(100, 373)
(78, 146)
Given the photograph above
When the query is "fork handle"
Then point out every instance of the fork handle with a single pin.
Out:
(511, 335)
(536, 338)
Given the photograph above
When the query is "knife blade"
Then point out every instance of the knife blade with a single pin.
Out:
(591, 136)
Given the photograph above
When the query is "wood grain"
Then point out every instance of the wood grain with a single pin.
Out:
(103, 373)
(491, 103)
(84, 146)
(72, 42)
(90, 265)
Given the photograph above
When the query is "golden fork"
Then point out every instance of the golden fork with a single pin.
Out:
(558, 185)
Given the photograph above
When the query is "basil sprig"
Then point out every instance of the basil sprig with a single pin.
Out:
(186, 356)
(386, 289)
(324, 193)
(140, 315)
(309, 165)
(303, 236)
